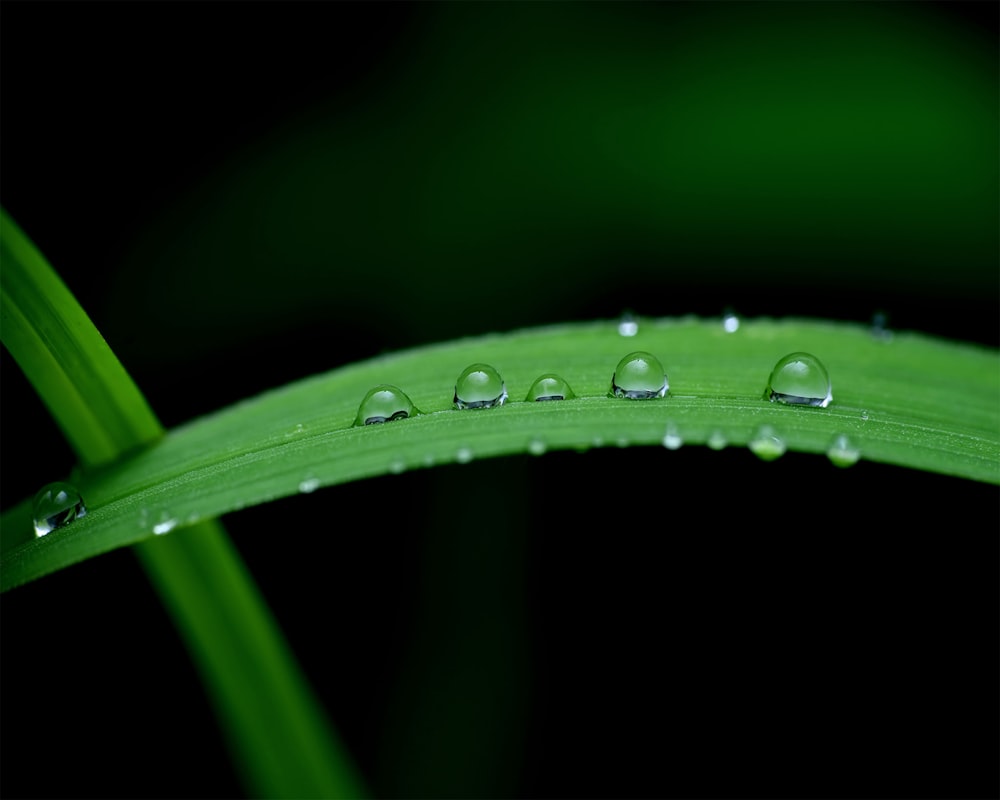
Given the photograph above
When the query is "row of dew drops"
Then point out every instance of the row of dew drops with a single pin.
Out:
(797, 379)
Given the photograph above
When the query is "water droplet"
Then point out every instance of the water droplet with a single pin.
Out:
(57, 505)
(717, 440)
(842, 452)
(639, 376)
(799, 379)
(384, 403)
(296, 430)
(308, 485)
(479, 386)
(864, 416)
(536, 447)
(549, 387)
(672, 438)
(464, 455)
(730, 322)
(880, 326)
(396, 466)
(165, 525)
(766, 444)
(628, 325)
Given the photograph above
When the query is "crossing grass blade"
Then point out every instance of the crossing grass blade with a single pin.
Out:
(281, 743)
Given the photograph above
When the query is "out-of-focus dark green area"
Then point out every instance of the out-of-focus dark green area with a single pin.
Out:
(245, 194)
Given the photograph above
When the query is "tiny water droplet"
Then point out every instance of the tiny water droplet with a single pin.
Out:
(384, 403)
(766, 444)
(864, 416)
(55, 506)
(549, 387)
(464, 455)
(165, 525)
(799, 379)
(717, 440)
(880, 327)
(628, 325)
(479, 386)
(536, 447)
(730, 322)
(842, 452)
(308, 485)
(672, 438)
(396, 466)
(296, 430)
(639, 376)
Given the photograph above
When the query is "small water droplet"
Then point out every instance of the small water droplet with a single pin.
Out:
(464, 455)
(799, 379)
(717, 440)
(864, 416)
(672, 438)
(536, 446)
(55, 506)
(165, 525)
(396, 466)
(730, 321)
(479, 386)
(384, 403)
(549, 387)
(639, 376)
(308, 485)
(842, 452)
(880, 327)
(296, 430)
(628, 325)
(766, 444)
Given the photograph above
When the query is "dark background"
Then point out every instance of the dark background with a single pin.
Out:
(243, 194)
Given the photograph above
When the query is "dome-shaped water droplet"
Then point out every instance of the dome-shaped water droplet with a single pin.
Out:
(384, 403)
(799, 379)
(766, 444)
(672, 438)
(730, 321)
(842, 452)
(880, 326)
(463, 455)
(56, 505)
(549, 387)
(308, 485)
(165, 525)
(536, 446)
(479, 386)
(639, 376)
(717, 440)
(628, 325)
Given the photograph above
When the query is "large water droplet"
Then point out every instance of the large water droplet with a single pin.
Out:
(799, 379)
(384, 403)
(842, 452)
(628, 325)
(639, 376)
(56, 505)
(766, 444)
(479, 386)
(549, 387)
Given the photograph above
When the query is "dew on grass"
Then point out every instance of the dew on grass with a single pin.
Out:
(308, 485)
(672, 439)
(384, 403)
(842, 452)
(536, 446)
(479, 386)
(639, 376)
(165, 525)
(799, 379)
(730, 321)
(463, 455)
(717, 440)
(55, 506)
(766, 444)
(880, 327)
(549, 387)
(628, 325)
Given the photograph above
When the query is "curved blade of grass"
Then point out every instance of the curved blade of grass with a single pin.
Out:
(911, 401)
(280, 740)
